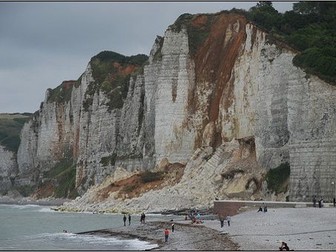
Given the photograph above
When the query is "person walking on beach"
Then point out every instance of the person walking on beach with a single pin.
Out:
(129, 219)
(173, 227)
(142, 218)
(166, 233)
(221, 218)
(314, 201)
(228, 219)
(124, 220)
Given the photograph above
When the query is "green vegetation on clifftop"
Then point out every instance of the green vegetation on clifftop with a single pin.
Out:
(112, 72)
(10, 129)
(196, 33)
(310, 28)
(62, 93)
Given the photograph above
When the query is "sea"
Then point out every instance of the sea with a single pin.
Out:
(34, 227)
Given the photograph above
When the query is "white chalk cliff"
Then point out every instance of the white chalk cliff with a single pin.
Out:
(228, 109)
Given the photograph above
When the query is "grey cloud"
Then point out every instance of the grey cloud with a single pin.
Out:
(44, 43)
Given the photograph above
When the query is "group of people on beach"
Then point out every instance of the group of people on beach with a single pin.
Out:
(320, 202)
(261, 209)
(143, 218)
(166, 231)
(227, 219)
(195, 217)
(129, 219)
(142, 221)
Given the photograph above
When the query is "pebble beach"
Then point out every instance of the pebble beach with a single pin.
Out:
(185, 237)
(301, 228)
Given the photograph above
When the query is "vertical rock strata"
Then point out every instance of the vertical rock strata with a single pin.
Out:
(172, 140)
(8, 168)
(232, 104)
(312, 147)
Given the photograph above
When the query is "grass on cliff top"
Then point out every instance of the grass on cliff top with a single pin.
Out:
(112, 72)
(62, 93)
(196, 34)
(10, 130)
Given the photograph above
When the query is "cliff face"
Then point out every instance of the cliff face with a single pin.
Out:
(312, 131)
(215, 96)
(8, 168)
(10, 128)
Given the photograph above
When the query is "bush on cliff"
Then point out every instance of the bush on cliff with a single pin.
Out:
(276, 178)
(62, 93)
(10, 128)
(149, 176)
(64, 176)
(197, 33)
(310, 28)
(109, 160)
(112, 72)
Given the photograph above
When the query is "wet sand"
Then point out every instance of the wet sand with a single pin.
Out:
(186, 236)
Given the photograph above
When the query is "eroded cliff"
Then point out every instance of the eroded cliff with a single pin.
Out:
(216, 97)
(10, 128)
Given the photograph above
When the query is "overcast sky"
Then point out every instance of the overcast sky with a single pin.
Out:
(45, 43)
